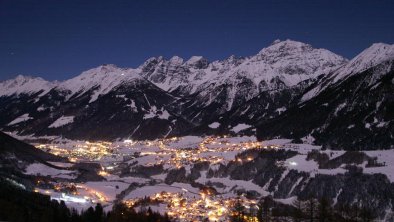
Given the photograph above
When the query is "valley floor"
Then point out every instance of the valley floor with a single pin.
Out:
(178, 176)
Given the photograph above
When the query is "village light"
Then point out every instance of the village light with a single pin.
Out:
(292, 163)
(128, 141)
(103, 173)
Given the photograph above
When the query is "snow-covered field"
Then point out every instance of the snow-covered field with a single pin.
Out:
(22, 118)
(44, 170)
(64, 120)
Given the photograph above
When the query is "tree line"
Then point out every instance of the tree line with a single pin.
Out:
(312, 210)
(19, 205)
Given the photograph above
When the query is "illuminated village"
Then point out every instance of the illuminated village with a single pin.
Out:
(180, 177)
(181, 202)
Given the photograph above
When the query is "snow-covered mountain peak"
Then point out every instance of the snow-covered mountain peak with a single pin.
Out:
(24, 78)
(20, 78)
(176, 60)
(25, 84)
(152, 59)
(286, 46)
(101, 72)
(376, 54)
(289, 51)
(150, 64)
(103, 79)
(226, 64)
(108, 67)
(291, 62)
(279, 66)
(197, 62)
(236, 60)
(276, 41)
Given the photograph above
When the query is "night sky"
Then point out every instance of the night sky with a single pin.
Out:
(58, 39)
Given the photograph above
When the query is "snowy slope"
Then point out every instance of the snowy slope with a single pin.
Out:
(64, 120)
(289, 61)
(376, 54)
(169, 96)
(282, 64)
(25, 84)
(370, 57)
(101, 79)
(292, 62)
(177, 75)
(22, 118)
(204, 90)
(270, 79)
(348, 109)
(103, 102)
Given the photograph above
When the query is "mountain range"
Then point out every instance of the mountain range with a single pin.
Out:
(288, 89)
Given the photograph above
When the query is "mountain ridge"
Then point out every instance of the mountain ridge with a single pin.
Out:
(194, 96)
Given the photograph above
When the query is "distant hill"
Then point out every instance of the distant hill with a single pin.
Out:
(23, 151)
